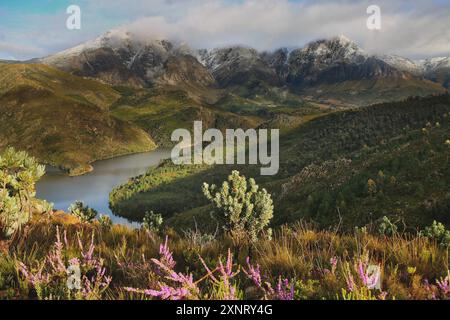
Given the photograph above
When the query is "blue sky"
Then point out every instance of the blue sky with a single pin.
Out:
(415, 29)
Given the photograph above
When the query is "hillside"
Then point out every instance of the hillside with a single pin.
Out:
(162, 109)
(62, 119)
(325, 168)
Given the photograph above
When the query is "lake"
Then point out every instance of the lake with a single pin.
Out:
(94, 188)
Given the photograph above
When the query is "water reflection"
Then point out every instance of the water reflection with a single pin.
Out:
(93, 189)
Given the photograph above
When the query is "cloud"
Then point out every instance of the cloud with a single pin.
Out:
(13, 51)
(420, 30)
(415, 30)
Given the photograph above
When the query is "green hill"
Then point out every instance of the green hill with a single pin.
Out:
(162, 109)
(62, 119)
(325, 168)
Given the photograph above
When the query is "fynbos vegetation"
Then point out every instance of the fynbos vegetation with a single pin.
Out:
(18, 175)
(82, 212)
(243, 209)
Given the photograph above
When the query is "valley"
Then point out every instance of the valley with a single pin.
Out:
(334, 105)
(360, 182)
(325, 166)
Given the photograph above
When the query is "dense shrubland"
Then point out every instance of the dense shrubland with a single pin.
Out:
(350, 168)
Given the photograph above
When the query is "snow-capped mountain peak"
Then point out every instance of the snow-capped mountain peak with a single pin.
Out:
(322, 53)
(434, 63)
(120, 57)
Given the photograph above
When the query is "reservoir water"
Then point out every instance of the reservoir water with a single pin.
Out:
(94, 188)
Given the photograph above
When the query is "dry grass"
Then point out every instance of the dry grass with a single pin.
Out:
(299, 253)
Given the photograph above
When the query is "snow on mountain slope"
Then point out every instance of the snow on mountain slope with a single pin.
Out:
(401, 63)
(434, 63)
(327, 52)
(119, 57)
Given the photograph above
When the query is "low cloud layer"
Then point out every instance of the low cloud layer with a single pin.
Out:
(423, 30)
(414, 30)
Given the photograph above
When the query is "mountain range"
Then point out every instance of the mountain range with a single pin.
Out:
(323, 69)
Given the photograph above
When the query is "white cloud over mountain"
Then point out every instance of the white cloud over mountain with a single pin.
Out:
(414, 30)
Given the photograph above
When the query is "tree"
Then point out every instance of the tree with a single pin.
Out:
(244, 210)
(18, 176)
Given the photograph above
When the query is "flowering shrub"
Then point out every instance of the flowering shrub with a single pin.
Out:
(444, 286)
(152, 222)
(362, 281)
(438, 232)
(224, 288)
(242, 207)
(283, 290)
(174, 285)
(55, 277)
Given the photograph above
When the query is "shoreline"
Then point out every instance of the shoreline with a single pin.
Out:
(90, 166)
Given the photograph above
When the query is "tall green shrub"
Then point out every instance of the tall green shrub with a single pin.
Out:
(18, 176)
(243, 209)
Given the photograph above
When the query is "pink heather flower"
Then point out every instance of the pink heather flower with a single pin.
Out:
(74, 262)
(254, 273)
(54, 268)
(166, 255)
(429, 289)
(284, 290)
(164, 293)
(333, 262)
(444, 284)
(350, 283)
(88, 255)
(370, 281)
(226, 274)
(183, 285)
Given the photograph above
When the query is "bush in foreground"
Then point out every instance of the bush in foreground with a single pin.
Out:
(18, 176)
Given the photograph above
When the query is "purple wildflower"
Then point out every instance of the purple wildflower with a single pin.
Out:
(225, 275)
(369, 278)
(284, 290)
(333, 262)
(56, 268)
(444, 284)
(177, 286)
